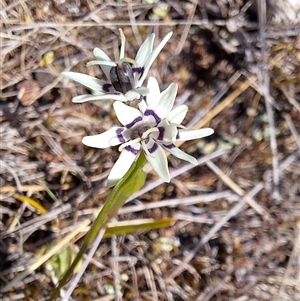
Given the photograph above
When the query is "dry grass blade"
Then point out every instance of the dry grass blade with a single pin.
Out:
(265, 86)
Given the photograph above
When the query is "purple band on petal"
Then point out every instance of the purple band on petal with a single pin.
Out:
(106, 87)
(120, 136)
(153, 148)
(131, 124)
(153, 114)
(177, 136)
(139, 70)
(169, 146)
(132, 150)
(161, 133)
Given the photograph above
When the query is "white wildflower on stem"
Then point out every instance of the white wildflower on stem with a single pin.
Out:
(124, 78)
(153, 128)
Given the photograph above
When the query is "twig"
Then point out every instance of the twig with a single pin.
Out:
(133, 23)
(291, 99)
(293, 130)
(115, 267)
(76, 279)
(186, 28)
(260, 210)
(264, 80)
(215, 99)
(214, 290)
(177, 172)
(229, 99)
(13, 173)
(38, 262)
(293, 257)
(187, 201)
(231, 213)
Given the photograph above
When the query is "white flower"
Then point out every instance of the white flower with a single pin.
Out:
(124, 78)
(152, 129)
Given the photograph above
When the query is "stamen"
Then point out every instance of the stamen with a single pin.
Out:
(144, 146)
(122, 146)
(180, 126)
(107, 63)
(123, 40)
(151, 130)
(127, 60)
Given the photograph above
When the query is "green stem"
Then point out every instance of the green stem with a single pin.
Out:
(126, 187)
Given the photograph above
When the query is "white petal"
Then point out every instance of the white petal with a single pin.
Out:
(153, 56)
(135, 94)
(166, 102)
(127, 115)
(167, 132)
(100, 55)
(145, 51)
(88, 81)
(89, 97)
(158, 160)
(132, 95)
(142, 106)
(154, 96)
(175, 151)
(193, 134)
(120, 168)
(142, 90)
(177, 115)
(103, 140)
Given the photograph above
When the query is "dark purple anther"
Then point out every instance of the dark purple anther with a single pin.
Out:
(121, 77)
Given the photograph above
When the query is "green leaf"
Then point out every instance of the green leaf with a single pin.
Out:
(61, 262)
(121, 228)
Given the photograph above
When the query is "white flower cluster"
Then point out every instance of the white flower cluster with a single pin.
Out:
(153, 127)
